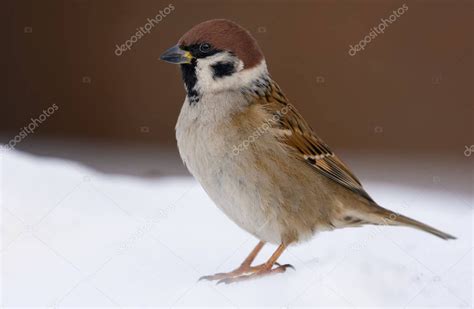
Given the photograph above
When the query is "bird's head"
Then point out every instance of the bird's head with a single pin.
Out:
(217, 55)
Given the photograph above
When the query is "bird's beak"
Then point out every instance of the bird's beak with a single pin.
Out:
(176, 55)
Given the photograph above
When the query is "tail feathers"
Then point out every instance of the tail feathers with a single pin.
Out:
(386, 217)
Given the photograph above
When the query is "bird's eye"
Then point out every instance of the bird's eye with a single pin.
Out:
(205, 47)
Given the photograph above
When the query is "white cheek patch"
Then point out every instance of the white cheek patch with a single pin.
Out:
(206, 81)
(205, 73)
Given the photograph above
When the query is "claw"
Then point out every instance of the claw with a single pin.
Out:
(285, 266)
(209, 278)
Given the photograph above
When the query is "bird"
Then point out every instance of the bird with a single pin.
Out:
(255, 155)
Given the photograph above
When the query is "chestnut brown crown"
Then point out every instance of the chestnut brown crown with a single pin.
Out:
(223, 34)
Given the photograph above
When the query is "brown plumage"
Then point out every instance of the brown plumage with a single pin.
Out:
(305, 145)
(255, 155)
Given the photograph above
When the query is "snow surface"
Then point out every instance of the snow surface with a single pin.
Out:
(72, 236)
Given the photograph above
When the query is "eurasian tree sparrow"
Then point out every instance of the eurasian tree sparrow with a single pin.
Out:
(256, 156)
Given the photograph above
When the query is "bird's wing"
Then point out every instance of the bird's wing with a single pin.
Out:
(298, 136)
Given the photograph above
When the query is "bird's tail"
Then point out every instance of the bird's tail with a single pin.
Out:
(381, 216)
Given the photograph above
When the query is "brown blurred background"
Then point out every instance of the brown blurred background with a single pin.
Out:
(409, 91)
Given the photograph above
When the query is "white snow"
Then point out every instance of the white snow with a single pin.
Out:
(72, 236)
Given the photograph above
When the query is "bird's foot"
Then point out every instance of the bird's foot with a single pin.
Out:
(242, 270)
(260, 271)
(247, 273)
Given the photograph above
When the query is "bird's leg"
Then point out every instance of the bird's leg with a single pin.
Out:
(262, 269)
(244, 268)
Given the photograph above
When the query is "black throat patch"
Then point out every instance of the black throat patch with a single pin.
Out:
(188, 72)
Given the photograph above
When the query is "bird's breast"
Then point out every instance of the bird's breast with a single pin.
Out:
(222, 155)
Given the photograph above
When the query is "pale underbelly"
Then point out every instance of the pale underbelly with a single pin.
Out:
(242, 201)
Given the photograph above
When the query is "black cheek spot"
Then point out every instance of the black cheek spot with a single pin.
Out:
(222, 69)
